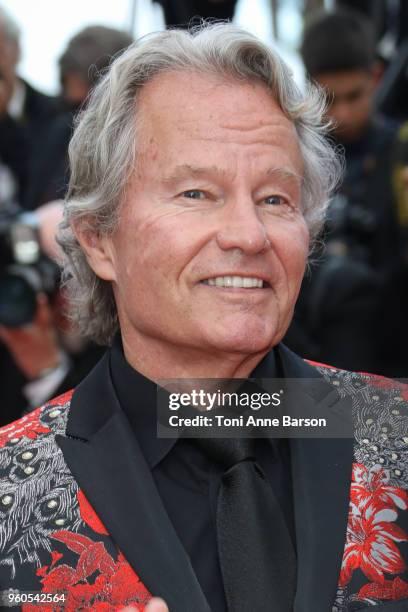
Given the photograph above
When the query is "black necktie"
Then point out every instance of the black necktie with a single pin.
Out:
(257, 557)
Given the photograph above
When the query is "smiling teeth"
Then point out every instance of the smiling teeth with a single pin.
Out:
(235, 281)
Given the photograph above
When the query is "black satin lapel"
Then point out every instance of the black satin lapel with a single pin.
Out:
(321, 477)
(111, 470)
(293, 366)
(321, 473)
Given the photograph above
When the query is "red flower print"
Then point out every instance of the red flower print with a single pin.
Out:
(93, 555)
(59, 579)
(28, 426)
(115, 584)
(372, 486)
(370, 544)
(62, 399)
(389, 589)
(122, 584)
(89, 515)
(56, 556)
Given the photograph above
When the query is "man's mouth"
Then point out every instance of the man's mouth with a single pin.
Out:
(239, 282)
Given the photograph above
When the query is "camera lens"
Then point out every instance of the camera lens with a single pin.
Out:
(18, 301)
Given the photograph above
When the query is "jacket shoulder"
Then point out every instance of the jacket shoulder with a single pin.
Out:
(45, 421)
(376, 381)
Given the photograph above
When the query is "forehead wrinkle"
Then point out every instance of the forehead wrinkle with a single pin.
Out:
(243, 138)
(188, 170)
(192, 126)
(255, 124)
(269, 133)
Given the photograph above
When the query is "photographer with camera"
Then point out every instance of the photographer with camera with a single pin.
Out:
(28, 277)
(29, 347)
(351, 310)
(39, 355)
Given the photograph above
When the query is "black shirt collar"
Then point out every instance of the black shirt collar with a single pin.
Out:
(137, 397)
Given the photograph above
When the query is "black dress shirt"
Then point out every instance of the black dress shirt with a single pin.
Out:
(187, 480)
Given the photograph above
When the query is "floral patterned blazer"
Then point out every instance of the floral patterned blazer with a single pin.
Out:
(82, 526)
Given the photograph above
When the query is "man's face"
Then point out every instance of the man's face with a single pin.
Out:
(350, 96)
(215, 199)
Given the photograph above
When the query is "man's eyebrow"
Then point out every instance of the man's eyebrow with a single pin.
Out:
(285, 174)
(187, 171)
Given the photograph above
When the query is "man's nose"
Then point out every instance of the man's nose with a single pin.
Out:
(242, 228)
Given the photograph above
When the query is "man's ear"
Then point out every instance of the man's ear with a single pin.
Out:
(98, 249)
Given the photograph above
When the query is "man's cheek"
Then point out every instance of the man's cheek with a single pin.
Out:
(299, 252)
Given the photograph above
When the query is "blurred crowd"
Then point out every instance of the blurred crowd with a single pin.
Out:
(40, 354)
(354, 299)
(352, 308)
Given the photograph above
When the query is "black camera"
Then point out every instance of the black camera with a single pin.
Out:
(24, 269)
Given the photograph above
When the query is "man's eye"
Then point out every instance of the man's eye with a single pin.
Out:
(194, 194)
(275, 200)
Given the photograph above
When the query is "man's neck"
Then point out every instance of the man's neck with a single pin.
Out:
(158, 362)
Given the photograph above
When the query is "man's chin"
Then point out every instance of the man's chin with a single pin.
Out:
(244, 343)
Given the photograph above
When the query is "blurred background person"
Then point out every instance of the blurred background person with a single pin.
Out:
(25, 114)
(40, 355)
(85, 58)
(87, 55)
(352, 309)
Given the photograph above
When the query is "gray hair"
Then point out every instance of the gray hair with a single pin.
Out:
(10, 27)
(103, 149)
